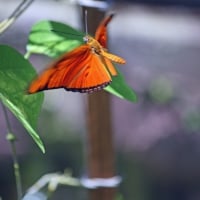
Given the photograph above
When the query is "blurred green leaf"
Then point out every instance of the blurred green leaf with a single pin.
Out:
(161, 90)
(121, 89)
(192, 120)
(15, 74)
(53, 38)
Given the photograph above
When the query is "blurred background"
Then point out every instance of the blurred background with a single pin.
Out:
(157, 140)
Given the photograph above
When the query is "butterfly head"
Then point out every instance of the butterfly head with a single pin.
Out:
(93, 44)
(87, 39)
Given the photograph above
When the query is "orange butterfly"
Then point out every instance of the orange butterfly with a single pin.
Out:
(87, 68)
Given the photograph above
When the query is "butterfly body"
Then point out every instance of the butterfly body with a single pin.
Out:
(87, 68)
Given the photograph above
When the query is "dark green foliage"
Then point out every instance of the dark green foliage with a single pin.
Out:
(15, 75)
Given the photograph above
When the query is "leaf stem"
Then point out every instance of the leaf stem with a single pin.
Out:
(27, 55)
(12, 138)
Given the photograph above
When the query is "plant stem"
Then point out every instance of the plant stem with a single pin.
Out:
(5, 24)
(12, 138)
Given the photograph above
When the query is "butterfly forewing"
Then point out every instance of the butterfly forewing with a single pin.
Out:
(101, 37)
(55, 75)
(101, 32)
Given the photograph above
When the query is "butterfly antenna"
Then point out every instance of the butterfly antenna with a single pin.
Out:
(86, 24)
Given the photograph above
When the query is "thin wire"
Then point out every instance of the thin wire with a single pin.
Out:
(86, 24)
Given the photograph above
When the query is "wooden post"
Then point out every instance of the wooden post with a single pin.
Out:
(100, 144)
(100, 151)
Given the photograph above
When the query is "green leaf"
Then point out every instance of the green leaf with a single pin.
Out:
(15, 74)
(119, 88)
(53, 38)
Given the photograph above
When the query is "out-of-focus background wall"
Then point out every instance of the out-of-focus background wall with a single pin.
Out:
(157, 140)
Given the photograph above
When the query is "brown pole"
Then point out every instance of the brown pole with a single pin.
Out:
(100, 153)
(100, 144)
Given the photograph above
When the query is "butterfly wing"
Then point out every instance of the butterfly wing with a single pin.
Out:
(93, 76)
(80, 70)
(101, 37)
(101, 32)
